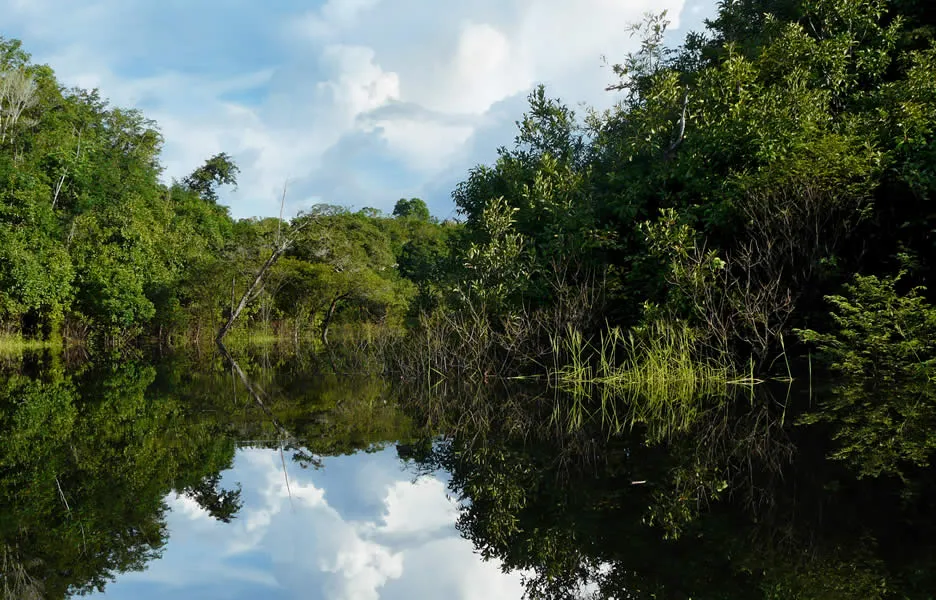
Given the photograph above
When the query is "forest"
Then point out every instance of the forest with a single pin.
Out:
(682, 347)
(95, 250)
(761, 192)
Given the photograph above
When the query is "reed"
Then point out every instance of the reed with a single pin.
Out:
(653, 374)
(658, 360)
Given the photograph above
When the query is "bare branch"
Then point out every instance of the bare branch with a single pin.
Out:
(682, 127)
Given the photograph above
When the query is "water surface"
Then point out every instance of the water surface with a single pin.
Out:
(278, 477)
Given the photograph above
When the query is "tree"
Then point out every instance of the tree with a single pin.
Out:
(356, 265)
(218, 170)
(284, 239)
(414, 208)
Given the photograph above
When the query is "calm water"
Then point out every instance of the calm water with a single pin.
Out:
(276, 478)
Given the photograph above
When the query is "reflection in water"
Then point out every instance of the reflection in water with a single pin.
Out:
(734, 502)
(360, 528)
(85, 462)
(881, 431)
(190, 478)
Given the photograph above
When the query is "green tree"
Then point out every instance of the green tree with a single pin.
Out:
(413, 208)
(218, 170)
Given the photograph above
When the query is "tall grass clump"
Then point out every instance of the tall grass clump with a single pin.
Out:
(653, 373)
(657, 360)
(16, 345)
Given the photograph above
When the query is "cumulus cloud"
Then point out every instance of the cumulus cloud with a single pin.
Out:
(417, 506)
(304, 94)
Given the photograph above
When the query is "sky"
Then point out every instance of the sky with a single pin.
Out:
(361, 528)
(349, 102)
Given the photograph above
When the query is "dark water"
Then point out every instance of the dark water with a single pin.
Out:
(190, 477)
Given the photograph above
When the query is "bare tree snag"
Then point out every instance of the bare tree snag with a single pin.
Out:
(252, 291)
(280, 246)
(329, 315)
(61, 181)
(17, 94)
(681, 135)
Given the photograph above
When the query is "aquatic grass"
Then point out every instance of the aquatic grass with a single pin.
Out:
(651, 374)
(16, 345)
(255, 336)
(657, 360)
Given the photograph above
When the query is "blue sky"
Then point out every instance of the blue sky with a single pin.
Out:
(354, 102)
(362, 528)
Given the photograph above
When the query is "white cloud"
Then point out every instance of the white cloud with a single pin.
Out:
(360, 84)
(188, 507)
(280, 88)
(362, 568)
(457, 572)
(423, 144)
(334, 17)
(484, 69)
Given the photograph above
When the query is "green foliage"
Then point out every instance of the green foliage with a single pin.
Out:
(879, 334)
(425, 260)
(35, 276)
(496, 267)
(217, 170)
(882, 342)
(88, 233)
(414, 208)
(742, 176)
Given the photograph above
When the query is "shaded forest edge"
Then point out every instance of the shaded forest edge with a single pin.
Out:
(762, 191)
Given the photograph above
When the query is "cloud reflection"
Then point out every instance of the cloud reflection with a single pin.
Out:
(297, 540)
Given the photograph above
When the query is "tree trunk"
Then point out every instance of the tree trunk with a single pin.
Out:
(328, 316)
(249, 293)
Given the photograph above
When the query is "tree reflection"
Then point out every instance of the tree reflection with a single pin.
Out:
(732, 503)
(708, 497)
(88, 458)
(85, 463)
(880, 432)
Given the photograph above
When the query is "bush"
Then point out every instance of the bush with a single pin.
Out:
(879, 333)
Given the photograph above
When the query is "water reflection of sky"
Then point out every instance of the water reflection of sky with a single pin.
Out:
(360, 529)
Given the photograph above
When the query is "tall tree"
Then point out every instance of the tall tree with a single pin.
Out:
(218, 170)
(413, 208)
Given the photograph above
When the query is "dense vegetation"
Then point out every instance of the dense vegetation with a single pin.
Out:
(780, 158)
(744, 178)
(93, 244)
